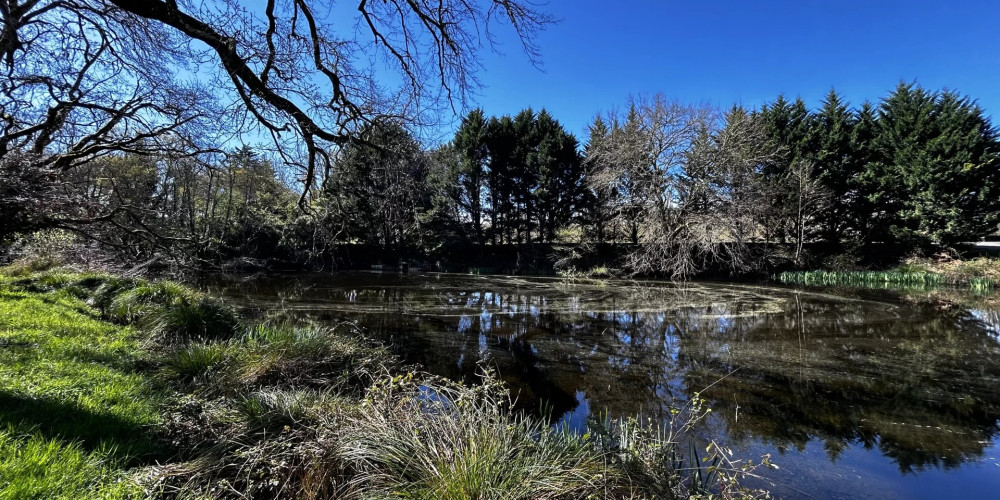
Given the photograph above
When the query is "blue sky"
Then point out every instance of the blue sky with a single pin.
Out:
(726, 52)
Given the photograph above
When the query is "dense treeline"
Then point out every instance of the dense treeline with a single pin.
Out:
(679, 188)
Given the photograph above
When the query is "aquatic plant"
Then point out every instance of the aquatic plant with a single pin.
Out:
(861, 278)
(882, 279)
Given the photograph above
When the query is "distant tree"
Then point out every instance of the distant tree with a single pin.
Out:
(861, 211)
(502, 143)
(27, 195)
(698, 185)
(380, 190)
(788, 126)
(809, 198)
(622, 167)
(559, 176)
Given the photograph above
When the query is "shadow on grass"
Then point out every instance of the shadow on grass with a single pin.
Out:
(128, 441)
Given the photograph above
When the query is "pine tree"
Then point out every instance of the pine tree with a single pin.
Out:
(559, 173)
(860, 210)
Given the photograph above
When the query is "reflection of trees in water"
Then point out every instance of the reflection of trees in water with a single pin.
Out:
(919, 385)
(916, 384)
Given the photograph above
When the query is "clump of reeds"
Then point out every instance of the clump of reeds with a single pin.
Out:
(862, 278)
(906, 277)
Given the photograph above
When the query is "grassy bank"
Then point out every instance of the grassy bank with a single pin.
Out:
(75, 410)
(121, 388)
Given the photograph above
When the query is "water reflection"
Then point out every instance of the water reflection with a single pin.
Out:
(779, 366)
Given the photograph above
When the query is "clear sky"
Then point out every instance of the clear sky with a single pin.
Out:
(726, 52)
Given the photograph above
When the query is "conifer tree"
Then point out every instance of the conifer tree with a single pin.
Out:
(933, 181)
(835, 163)
(471, 145)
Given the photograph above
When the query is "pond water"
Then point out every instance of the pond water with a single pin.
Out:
(854, 394)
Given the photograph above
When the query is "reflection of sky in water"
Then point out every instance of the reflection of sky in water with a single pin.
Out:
(990, 320)
(890, 387)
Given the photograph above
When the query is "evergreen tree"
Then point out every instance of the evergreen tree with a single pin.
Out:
(934, 170)
(559, 173)
(472, 149)
(501, 142)
(861, 210)
(835, 164)
(598, 197)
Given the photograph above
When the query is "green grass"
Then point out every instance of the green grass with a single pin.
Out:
(35, 466)
(70, 394)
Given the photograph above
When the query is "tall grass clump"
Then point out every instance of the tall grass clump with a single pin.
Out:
(107, 291)
(449, 442)
(131, 304)
(200, 318)
(197, 360)
(311, 356)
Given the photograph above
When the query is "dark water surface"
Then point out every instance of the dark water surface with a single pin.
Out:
(855, 394)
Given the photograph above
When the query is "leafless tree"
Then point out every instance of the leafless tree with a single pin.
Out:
(689, 184)
(89, 78)
(808, 197)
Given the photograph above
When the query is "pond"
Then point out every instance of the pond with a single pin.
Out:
(854, 394)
